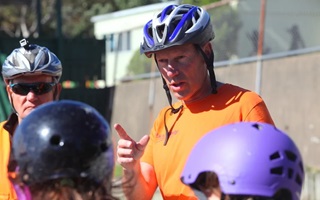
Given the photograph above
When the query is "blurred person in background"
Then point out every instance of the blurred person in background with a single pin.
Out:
(63, 151)
(31, 74)
(179, 39)
(245, 161)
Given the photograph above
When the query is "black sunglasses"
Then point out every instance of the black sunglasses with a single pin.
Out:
(37, 88)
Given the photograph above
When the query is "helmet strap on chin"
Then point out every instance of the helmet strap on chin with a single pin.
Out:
(55, 93)
(210, 66)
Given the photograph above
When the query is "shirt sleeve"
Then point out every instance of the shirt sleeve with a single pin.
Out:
(257, 110)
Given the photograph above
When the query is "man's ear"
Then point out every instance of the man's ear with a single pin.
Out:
(9, 93)
(207, 48)
(58, 91)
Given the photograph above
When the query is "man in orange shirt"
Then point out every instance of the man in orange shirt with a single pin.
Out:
(179, 40)
(31, 74)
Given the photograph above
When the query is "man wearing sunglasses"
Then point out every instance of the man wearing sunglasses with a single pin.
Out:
(31, 74)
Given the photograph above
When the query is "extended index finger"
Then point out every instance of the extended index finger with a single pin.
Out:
(122, 133)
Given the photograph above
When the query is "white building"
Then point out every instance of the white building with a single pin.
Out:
(289, 25)
(123, 29)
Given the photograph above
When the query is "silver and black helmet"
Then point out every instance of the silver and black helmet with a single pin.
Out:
(31, 59)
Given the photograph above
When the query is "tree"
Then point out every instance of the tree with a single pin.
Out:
(226, 25)
(198, 2)
(18, 19)
(139, 64)
(27, 18)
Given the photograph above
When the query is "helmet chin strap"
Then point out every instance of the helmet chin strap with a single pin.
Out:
(55, 94)
(12, 106)
(210, 66)
(11, 102)
(166, 88)
(173, 110)
(209, 63)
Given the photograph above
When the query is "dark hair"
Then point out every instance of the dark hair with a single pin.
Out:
(206, 180)
(68, 189)
(280, 195)
(209, 180)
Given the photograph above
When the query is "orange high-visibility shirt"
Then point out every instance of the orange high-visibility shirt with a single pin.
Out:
(7, 191)
(231, 104)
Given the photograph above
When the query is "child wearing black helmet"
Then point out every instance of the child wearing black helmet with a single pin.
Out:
(63, 151)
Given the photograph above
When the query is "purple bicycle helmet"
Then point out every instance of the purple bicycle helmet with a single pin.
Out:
(249, 158)
(31, 59)
(176, 25)
(64, 140)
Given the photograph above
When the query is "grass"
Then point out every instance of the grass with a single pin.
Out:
(117, 171)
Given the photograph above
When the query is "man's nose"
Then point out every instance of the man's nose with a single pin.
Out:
(171, 71)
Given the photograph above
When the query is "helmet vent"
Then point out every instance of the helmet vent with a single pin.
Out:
(275, 155)
(166, 12)
(277, 170)
(173, 25)
(55, 140)
(290, 173)
(150, 32)
(196, 15)
(160, 30)
(291, 156)
(257, 126)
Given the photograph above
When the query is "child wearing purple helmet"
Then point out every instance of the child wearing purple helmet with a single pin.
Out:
(245, 160)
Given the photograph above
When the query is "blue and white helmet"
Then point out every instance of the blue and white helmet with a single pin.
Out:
(31, 59)
(176, 25)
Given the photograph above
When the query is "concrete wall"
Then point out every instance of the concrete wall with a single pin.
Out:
(290, 87)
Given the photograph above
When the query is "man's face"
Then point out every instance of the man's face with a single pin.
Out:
(185, 72)
(24, 104)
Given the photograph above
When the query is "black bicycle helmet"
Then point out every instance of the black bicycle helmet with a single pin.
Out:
(63, 139)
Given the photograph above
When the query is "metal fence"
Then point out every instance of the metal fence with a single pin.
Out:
(291, 27)
(286, 26)
(81, 60)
